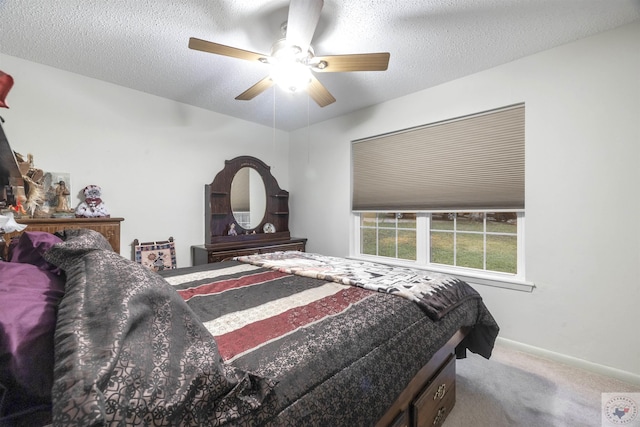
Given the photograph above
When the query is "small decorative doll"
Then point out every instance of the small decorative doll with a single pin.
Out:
(92, 206)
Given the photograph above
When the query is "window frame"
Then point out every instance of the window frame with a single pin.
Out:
(513, 281)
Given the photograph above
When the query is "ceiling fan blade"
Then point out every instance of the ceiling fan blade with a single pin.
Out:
(355, 62)
(256, 89)
(220, 49)
(319, 93)
(302, 21)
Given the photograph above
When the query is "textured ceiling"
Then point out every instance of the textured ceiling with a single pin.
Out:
(143, 45)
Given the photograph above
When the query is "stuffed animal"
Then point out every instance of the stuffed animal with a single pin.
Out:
(92, 206)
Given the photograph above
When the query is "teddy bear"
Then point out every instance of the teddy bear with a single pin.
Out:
(92, 206)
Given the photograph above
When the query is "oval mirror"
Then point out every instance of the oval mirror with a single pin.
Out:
(248, 198)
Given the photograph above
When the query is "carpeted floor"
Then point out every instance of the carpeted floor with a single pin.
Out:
(520, 389)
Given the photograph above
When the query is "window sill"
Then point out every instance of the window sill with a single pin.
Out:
(472, 279)
(512, 284)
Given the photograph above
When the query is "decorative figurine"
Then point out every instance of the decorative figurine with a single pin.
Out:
(232, 230)
(92, 206)
(62, 193)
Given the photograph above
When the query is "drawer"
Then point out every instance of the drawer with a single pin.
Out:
(225, 255)
(433, 404)
(284, 247)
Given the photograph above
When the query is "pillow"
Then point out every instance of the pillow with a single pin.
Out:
(30, 248)
(83, 239)
(29, 297)
(127, 343)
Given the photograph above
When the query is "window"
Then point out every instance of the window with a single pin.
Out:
(448, 195)
(389, 234)
(481, 241)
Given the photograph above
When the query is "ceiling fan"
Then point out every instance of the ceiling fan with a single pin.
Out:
(292, 58)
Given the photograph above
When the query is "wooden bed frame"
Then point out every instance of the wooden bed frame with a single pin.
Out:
(430, 395)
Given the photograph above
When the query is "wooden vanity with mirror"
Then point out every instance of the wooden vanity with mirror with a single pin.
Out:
(246, 212)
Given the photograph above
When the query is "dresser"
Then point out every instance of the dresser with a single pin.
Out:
(204, 254)
(108, 227)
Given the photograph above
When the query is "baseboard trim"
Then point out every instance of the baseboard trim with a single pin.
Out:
(618, 374)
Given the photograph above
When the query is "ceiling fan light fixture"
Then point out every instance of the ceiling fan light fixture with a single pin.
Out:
(292, 76)
(289, 68)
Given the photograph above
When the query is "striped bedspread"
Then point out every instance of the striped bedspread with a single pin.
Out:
(240, 326)
(340, 354)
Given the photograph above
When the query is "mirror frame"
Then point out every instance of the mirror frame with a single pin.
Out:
(218, 212)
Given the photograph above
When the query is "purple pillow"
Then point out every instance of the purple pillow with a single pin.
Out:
(29, 298)
(30, 248)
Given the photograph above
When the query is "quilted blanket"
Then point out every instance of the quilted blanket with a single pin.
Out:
(436, 293)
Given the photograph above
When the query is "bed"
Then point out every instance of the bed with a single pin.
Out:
(250, 341)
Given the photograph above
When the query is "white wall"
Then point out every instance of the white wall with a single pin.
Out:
(582, 174)
(151, 156)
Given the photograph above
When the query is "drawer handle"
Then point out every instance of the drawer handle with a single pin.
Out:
(439, 394)
(440, 416)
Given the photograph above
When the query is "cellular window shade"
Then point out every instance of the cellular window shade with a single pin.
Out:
(473, 162)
